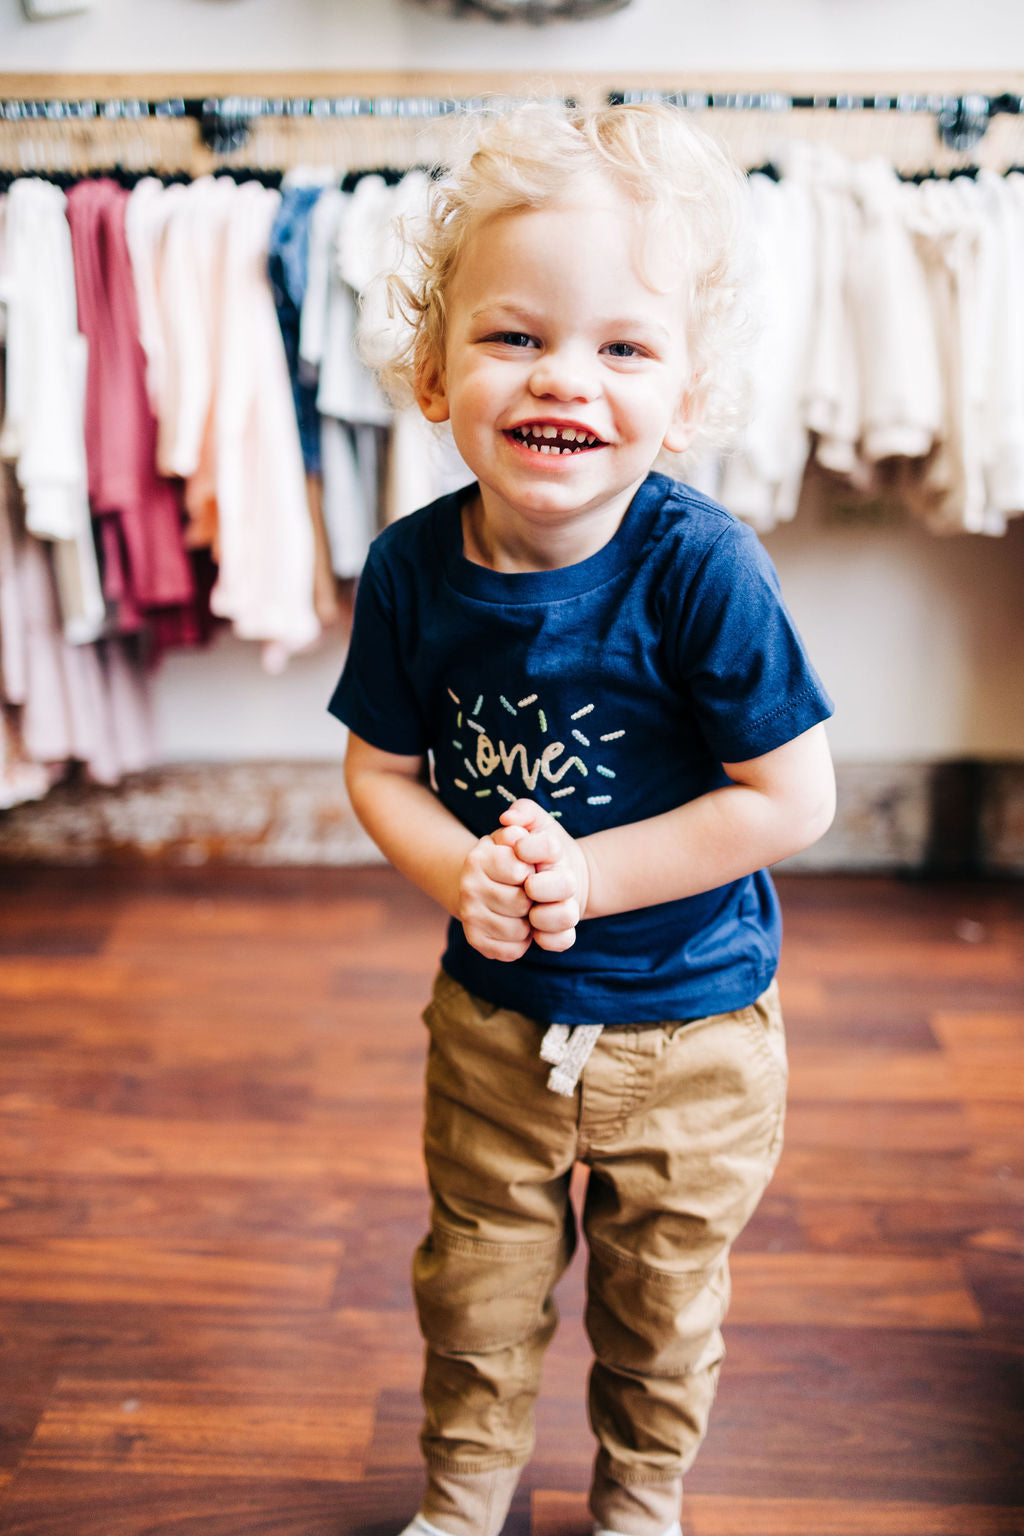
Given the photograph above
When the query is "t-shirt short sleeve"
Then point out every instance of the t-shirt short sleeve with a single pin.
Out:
(374, 696)
(742, 662)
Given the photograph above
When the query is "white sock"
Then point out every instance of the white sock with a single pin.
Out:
(602, 1530)
(418, 1526)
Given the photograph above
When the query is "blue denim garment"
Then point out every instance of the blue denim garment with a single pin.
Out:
(287, 268)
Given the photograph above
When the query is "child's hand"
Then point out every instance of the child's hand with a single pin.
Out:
(558, 884)
(493, 906)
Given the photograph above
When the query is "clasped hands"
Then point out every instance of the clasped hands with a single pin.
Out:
(525, 883)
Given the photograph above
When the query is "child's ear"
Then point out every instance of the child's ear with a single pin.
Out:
(431, 395)
(686, 419)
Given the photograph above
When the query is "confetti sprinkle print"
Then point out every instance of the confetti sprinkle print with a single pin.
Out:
(514, 752)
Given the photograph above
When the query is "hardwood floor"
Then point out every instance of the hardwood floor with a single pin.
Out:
(210, 1188)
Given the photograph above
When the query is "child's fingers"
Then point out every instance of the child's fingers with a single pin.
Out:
(528, 814)
(520, 812)
(539, 848)
(554, 917)
(505, 866)
(505, 901)
(555, 943)
(493, 861)
(555, 884)
(508, 837)
(504, 941)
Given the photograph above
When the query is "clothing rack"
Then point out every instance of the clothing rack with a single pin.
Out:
(960, 121)
(192, 125)
(225, 122)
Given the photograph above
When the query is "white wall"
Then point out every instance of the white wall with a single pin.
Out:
(733, 35)
(919, 638)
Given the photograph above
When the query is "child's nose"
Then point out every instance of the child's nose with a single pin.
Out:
(564, 373)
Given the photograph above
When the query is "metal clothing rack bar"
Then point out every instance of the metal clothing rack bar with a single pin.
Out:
(225, 121)
(960, 120)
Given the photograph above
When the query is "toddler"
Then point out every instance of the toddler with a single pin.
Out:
(581, 718)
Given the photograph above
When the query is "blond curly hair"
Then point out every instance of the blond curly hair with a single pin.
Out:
(691, 195)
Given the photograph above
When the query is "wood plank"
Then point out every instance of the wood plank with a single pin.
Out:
(860, 1291)
(971, 1030)
(121, 1269)
(887, 1126)
(839, 1073)
(119, 1503)
(91, 1144)
(708, 1515)
(200, 1430)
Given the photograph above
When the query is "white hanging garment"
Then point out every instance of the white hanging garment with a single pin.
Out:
(43, 430)
(832, 384)
(954, 239)
(1003, 355)
(762, 473)
(145, 219)
(346, 388)
(423, 463)
(893, 323)
(176, 238)
(265, 549)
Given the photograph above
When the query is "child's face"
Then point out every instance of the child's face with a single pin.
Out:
(565, 373)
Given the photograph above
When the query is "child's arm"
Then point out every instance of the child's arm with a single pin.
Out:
(478, 880)
(775, 806)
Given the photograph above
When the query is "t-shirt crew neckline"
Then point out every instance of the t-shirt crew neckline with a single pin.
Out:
(485, 585)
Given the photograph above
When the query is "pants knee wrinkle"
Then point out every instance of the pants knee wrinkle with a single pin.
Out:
(495, 1462)
(659, 1277)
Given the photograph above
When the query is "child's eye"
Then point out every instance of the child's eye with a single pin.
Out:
(512, 339)
(623, 349)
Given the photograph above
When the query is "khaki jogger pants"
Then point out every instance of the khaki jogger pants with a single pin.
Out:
(680, 1125)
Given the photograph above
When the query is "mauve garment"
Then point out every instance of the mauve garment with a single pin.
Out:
(147, 572)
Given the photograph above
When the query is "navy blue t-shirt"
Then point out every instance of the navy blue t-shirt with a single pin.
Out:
(607, 691)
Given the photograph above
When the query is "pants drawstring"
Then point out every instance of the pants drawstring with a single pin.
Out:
(568, 1048)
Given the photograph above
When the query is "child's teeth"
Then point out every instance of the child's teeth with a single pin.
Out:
(542, 437)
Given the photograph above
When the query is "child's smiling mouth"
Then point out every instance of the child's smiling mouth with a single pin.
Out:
(545, 437)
